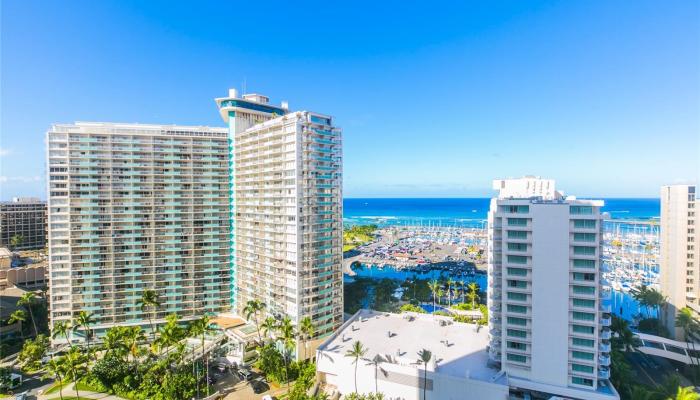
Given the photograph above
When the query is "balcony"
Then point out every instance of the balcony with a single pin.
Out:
(604, 360)
(605, 334)
(603, 373)
(605, 321)
(604, 347)
(606, 308)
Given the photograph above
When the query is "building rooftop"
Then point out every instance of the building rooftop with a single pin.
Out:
(458, 349)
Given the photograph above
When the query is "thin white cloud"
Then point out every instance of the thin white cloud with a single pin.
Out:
(23, 179)
(4, 152)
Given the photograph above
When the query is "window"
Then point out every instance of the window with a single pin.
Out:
(517, 271)
(516, 357)
(517, 221)
(516, 309)
(517, 321)
(517, 234)
(583, 329)
(517, 246)
(582, 355)
(586, 277)
(583, 316)
(516, 345)
(584, 250)
(516, 333)
(516, 209)
(584, 237)
(576, 380)
(517, 259)
(584, 303)
(582, 368)
(517, 284)
(585, 223)
(584, 263)
(582, 342)
(517, 296)
(584, 289)
(581, 210)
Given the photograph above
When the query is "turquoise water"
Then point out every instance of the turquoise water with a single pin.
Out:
(466, 212)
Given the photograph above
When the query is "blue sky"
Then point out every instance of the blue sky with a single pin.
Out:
(435, 99)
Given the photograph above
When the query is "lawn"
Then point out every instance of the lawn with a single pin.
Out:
(87, 388)
(54, 388)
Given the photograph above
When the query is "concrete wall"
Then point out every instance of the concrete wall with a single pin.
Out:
(550, 293)
(402, 382)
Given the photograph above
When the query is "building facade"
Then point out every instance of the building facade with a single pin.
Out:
(548, 322)
(285, 182)
(679, 253)
(24, 217)
(135, 207)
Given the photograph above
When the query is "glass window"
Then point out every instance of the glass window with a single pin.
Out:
(582, 355)
(581, 210)
(517, 259)
(582, 368)
(584, 237)
(582, 342)
(584, 263)
(584, 329)
(517, 321)
(584, 303)
(585, 223)
(517, 221)
(581, 381)
(517, 234)
(516, 357)
(584, 289)
(516, 345)
(584, 250)
(517, 246)
(517, 296)
(583, 316)
(516, 333)
(517, 271)
(516, 309)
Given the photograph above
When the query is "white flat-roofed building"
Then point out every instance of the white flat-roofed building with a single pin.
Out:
(458, 370)
(548, 318)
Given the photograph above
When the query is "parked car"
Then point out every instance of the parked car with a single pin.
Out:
(245, 374)
(21, 396)
(260, 386)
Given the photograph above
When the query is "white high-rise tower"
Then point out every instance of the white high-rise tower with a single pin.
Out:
(548, 318)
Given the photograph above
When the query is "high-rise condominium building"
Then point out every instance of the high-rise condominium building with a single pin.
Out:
(208, 217)
(549, 326)
(680, 252)
(25, 218)
(285, 184)
(136, 207)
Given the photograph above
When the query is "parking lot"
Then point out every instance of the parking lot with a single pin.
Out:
(242, 384)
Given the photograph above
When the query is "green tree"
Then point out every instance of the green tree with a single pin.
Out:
(170, 333)
(434, 286)
(18, 316)
(450, 285)
(201, 327)
(424, 356)
(55, 369)
(27, 300)
(253, 309)
(288, 337)
(473, 293)
(269, 326)
(149, 304)
(16, 241)
(356, 352)
(306, 332)
(84, 320)
(33, 350)
(689, 325)
(76, 366)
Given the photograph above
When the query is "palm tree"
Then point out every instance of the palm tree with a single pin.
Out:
(18, 316)
(641, 295)
(306, 331)
(639, 392)
(26, 301)
(84, 320)
(464, 292)
(16, 241)
(689, 324)
(286, 330)
(202, 327)
(269, 326)
(76, 367)
(357, 351)
(54, 369)
(62, 328)
(434, 286)
(170, 333)
(473, 293)
(668, 388)
(132, 336)
(424, 357)
(685, 393)
(375, 361)
(450, 284)
(149, 299)
(252, 308)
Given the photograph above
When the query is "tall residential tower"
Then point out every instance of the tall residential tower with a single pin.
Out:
(680, 252)
(136, 207)
(285, 183)
(549, 326)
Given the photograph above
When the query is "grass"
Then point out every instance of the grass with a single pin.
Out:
(54, 388)
(85, 387)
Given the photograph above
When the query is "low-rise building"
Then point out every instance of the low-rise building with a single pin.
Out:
(24, 218)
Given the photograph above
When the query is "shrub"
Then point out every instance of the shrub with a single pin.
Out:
(111, 370)
(412, 308)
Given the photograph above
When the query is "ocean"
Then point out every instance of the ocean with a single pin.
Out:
(465, 212)
(471, 213)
